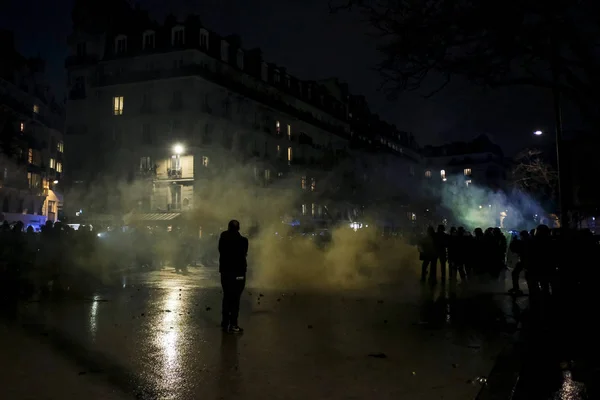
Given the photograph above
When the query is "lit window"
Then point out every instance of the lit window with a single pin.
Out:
(303, 209)
(467, 171)
(303, 182)
(289, 132)
(58, 167)
(278, 151)
(30, 156)
(313, 184)
(178, 36)
(267, 175)
(443, 174)
(22, 127)
(428, 174)
(205, 161)
(52, 163)
(224, 51)
(148, 40)
(277, 127)
(468, 183)
(313, 209)
(289, 155)
(204, 39)
(36, 109)
(60, 147)
(121, 44)
(145, 164)
(118, 105)
(240, 59)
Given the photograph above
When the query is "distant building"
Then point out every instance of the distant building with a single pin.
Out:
(478, 162)
(178, 104)
(31, 154)
(467, 183)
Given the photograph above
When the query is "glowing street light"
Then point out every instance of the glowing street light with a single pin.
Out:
(538, 133)
(178, 149)
(56, 182)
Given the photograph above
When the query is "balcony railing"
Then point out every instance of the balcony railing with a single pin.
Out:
(175, 173)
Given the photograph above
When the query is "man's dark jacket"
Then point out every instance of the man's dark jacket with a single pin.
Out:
(233, 248)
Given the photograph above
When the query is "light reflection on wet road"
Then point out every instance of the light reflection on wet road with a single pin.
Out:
(158, 337)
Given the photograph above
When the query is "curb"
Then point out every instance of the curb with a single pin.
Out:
(504, 376)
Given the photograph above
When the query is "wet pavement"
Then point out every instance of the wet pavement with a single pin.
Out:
(157, 337)
(558, 355)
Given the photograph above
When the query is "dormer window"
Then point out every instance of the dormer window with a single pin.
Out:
(224, 51)
(276, 76)
(178, 36)
(148, 41)
(240, 59)
(120, 44)
(204, 39)
(264, 71)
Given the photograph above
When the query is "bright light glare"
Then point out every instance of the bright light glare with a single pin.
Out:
(538, 133)
(178, 149)
(56, 182)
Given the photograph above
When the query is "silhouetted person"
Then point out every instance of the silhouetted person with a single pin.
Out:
(477, 256)
(428, 254)
(521, 248)
(542, 264)
(441, 248)
(500, 246)
(460, 251)
(233, 249)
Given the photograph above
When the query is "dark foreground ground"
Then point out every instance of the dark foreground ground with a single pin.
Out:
(157, 337)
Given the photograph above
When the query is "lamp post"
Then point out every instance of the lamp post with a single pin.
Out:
(562, 198)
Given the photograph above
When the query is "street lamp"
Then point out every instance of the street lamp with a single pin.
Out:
(178, 149)
(56, 182)
(562, 194)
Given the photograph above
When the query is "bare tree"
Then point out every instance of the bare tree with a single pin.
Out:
(533, 175)
(492, 43)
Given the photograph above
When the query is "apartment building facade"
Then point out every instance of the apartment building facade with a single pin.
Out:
(180, 105)
(479, 162)
(31, 158)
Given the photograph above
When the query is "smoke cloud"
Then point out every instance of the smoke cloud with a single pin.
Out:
(476, 206)
(281, 256)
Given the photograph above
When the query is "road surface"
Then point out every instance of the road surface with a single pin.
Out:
(157, 336)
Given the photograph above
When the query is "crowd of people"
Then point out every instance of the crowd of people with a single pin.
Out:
(555, 263)
(60, 254)
(465, 254)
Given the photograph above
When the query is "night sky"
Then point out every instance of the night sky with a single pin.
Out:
(302, 36)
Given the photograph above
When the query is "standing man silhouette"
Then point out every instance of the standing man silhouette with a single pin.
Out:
(233, 249)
